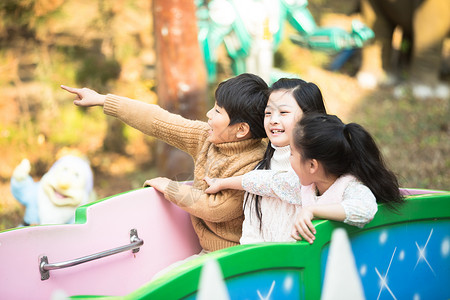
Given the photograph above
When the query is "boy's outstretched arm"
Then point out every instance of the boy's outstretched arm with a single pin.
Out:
(218, 184)
(85, 97)
(184, 134)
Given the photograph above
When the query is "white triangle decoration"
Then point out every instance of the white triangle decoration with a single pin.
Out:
(341, 276)
(212, 285)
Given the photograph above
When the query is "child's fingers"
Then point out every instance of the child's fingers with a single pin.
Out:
(311, 228)
(69, 89)
(308, 235)
(295, 235)
(210, 181)
(76, 91)
(304, 231)
(212, 190)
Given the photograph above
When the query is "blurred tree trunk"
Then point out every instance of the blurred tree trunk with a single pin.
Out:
(180, 76)
(109, 69)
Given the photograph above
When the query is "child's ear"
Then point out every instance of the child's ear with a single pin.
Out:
(313, 166)
(243, 131)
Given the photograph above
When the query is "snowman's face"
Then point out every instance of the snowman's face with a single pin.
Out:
(65, 184)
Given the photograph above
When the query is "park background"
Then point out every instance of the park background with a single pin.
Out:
(109, 46)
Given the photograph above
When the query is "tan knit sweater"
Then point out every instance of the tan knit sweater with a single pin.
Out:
(216, 218)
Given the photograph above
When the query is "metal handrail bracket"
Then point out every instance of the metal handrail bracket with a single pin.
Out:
(45, 267)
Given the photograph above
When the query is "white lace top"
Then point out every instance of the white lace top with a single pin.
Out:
(278, 216)
(282, 197)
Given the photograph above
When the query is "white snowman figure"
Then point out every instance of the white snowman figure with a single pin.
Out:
(54, 199)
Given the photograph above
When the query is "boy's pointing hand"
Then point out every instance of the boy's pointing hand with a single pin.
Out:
(85, 97)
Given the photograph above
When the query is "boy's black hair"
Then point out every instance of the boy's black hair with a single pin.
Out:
(244, 98)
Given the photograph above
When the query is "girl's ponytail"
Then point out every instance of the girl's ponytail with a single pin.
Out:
(347, 149)
(369, 167)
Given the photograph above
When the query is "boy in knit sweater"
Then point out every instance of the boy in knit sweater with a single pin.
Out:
(229, 144)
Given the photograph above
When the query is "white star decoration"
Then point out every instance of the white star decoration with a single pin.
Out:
(268, 294)
(383, 280)
(422, 253)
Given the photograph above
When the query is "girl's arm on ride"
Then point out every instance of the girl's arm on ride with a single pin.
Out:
(359, 203)
(358, 207)
(283, 185)
(270, 183)
(303, 227)
(218, 184)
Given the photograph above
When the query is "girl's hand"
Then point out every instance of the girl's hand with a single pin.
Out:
(159, 183)
(85, 97)
(303, 226)
(214, 185)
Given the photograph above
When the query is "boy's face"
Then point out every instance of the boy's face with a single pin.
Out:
(219, 121)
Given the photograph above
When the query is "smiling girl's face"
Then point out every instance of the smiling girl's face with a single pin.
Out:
(281, 114)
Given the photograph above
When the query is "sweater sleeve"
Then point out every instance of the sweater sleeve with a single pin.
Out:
(184, 134)
(271, 183)
(359, 204)
(221, 207)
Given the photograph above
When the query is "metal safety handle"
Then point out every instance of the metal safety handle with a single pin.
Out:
(45, 267)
